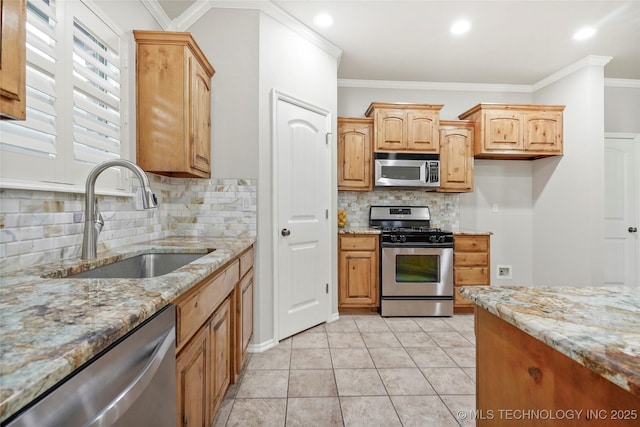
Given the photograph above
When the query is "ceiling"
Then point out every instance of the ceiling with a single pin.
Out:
(510, 42)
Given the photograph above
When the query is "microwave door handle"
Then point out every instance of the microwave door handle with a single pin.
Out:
(424, 172)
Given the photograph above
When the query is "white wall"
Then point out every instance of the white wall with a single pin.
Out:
(622, 108)
(295, 66)
(568, 191)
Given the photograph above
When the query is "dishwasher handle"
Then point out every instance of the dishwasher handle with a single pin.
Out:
(132, 392)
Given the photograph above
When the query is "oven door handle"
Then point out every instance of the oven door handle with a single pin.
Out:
(418, 245)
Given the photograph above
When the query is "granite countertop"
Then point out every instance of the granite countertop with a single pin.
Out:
(358, 230)
(49, 327)
(598, 327)
(467, 231)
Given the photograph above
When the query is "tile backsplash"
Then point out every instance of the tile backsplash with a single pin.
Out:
(444, 207)
(37, 227)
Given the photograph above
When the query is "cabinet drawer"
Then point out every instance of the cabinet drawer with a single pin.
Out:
(232, 275)
(193, 312)
(246, 262)
(471, 243)
(471, 276)
(360, 243)
(470, 259)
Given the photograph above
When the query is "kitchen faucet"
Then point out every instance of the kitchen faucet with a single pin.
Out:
(93, 221)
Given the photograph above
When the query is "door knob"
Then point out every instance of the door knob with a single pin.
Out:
(633, 229)
(285, 232)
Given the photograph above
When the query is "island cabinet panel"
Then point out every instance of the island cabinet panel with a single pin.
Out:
(358, 274)
(516, 131)
(471, 266)
(173, 104)
(405, 127)
(456, 156)
(515, 371)
(355, 153)
(13, 89)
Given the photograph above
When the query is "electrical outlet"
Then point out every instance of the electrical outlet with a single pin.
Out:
(504, 271)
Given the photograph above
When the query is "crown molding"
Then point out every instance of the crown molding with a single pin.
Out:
(587, 61)
(158, 13)
(446, 86)
(201, 7)
(628, 83)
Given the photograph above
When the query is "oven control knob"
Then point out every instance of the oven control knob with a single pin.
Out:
(393, 238)
(432, 239)
(442, 239)
(402, 238)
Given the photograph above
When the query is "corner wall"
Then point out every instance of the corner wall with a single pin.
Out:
(568, 191)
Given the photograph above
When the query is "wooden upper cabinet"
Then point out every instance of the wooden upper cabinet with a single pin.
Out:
(354, 154)
(456, 156)
(516, 131)
(13, 90)
(405, 127)
(173, 94)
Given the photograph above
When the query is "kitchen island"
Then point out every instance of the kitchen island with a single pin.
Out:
(51, 326)
(565, 356)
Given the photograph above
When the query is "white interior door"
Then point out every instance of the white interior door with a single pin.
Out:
(622, 253)
(303, 197)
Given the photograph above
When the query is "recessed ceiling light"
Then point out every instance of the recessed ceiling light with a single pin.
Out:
(584, 33)
(460, 27)
(323, 20)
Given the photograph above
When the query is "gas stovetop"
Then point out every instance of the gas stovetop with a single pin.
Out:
(407, 225)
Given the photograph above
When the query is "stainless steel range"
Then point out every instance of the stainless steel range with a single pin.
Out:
(416, 262)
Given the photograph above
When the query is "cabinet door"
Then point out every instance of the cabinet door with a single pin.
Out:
(391, 130)
(543, 132)
(422, 131)
(502, 131)
(358, 279)
(200, 135)
(220, 355)
(192, 372)
(13, 97)
(456, 160)
(247, 313)
(354, 156)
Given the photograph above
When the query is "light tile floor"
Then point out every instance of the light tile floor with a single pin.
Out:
(361, 370)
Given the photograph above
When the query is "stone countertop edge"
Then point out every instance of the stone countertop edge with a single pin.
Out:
(597, 327)
(473, 232)
(50, 327)
(358, 230)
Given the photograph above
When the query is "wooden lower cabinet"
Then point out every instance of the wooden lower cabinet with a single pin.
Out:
(214, 325)
(517, 372)
(220, 338)
(192, 371)
(358, 273)
(471, 266)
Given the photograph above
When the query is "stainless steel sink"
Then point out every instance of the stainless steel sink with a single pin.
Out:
(140, 266)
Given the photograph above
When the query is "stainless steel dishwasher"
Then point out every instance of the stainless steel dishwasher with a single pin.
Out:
(132, 383)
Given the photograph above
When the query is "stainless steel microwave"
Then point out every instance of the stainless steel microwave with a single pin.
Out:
(407, 170)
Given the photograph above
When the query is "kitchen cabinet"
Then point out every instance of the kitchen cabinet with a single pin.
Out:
(173, 95)
(358, 273)
(13, 90)
(456, 156)
(244, 312)
(355, 152)
(471, 266)
(204, 345)
(516, 131)
(405, 127)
